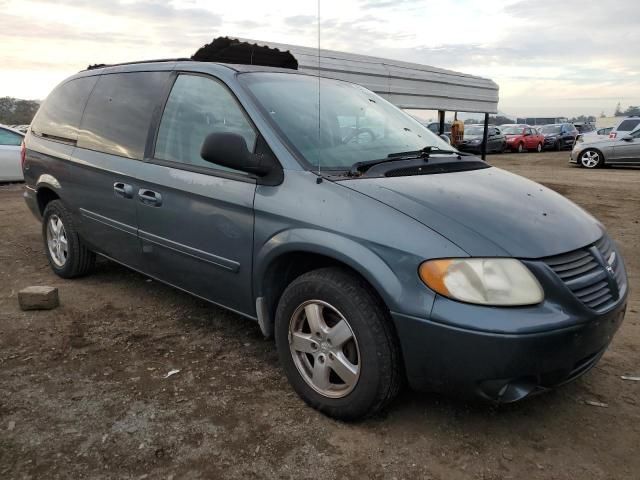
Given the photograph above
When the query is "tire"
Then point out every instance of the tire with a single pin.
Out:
(520, 148)
(558, 146)
(336, 295)
(539, 148)
(58, 230)
(591, 158)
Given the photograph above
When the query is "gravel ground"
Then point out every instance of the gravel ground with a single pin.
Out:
(83, 392)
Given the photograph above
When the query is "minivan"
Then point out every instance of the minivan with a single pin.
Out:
(372, 251)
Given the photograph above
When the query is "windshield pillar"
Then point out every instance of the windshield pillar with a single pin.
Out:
(441, 120)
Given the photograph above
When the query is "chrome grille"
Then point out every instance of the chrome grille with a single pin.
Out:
(584, 272)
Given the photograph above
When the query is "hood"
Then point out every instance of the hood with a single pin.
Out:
(488, 212)
(472, 137)
(551, 134)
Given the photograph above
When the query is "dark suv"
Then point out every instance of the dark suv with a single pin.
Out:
(368, 248)
(559, 136)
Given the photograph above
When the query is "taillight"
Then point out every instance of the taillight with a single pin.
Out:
(23, 154)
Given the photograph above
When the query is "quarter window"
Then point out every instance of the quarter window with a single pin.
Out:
(118, 113)
(9, 138)
(197, 107)
(59, 116)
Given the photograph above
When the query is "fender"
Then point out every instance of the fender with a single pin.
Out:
(356, 255)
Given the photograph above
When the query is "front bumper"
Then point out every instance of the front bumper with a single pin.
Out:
(470, 147)
(497, 366)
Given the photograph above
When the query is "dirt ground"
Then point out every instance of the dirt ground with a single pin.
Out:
(83, 393)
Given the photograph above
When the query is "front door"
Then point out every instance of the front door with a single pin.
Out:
(196, 218)
(627, 151)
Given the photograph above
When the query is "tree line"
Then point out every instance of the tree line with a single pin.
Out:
(14, 111)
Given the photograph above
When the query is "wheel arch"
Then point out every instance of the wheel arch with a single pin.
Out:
(292, 253)
(44, 195)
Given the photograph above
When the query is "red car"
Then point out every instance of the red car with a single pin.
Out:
(522, 137)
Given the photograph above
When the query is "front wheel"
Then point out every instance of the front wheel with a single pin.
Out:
(591, 158)
(337, 345)
(539, 148)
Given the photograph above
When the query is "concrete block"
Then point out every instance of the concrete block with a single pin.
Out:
(38, 298)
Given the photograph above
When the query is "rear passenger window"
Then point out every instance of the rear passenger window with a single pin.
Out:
(59, 116)
(197, 107)
(116, 119)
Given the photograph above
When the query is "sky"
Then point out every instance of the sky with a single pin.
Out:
(549, 57)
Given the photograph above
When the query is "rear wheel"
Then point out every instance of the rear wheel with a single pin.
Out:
(337, 345)
(591, 158)
(520, 148)
(539, 148)
(67, 254)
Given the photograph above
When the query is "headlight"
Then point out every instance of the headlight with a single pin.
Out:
(483, 281)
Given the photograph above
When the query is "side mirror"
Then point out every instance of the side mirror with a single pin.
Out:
(445, 138)
(230, 150)
(627, 138)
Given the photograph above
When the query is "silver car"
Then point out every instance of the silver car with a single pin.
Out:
(10, 168)
(623, 150)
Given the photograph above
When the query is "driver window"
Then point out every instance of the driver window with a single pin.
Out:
(198, 106)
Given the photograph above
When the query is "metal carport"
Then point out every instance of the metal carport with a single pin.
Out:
(406, 85)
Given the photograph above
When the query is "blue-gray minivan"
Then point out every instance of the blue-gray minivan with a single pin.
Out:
(372, 251)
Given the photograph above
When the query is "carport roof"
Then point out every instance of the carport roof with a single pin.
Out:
(406, 85)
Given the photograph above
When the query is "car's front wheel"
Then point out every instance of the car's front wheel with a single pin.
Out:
(539, 148)
(337, 345)
(67, 254)
(591, 158)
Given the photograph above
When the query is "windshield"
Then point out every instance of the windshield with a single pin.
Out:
(550, 129)
(473, 131)
(356, 125)
(512, 130)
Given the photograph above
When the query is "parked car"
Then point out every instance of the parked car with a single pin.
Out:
(595, 135)
(559, 136)
(623, 150)
(523, 137)
(435, 128)
(371, 258)
(473, 135)
(629, 124)
(10, 168)
(584, 127)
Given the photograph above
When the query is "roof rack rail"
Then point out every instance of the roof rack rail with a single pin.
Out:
(103, 65)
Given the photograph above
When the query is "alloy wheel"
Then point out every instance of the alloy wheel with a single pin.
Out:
(539, 148)
(57, 241)
(324, 349)
(590, 159)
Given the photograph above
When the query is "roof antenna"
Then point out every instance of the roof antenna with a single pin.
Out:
(319, 180)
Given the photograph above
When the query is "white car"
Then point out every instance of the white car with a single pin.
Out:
(10, 167)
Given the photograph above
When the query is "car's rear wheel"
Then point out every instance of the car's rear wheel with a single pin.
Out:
(520, 148)
(67, 254)
(591, 158)
(337, 345)
(539, 148)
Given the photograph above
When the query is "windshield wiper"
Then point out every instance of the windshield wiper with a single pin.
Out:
(360, 167)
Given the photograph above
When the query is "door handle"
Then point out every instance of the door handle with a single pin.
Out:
(149, 197)
(123, 190)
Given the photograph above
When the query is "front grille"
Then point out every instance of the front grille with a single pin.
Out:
(584, 272)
